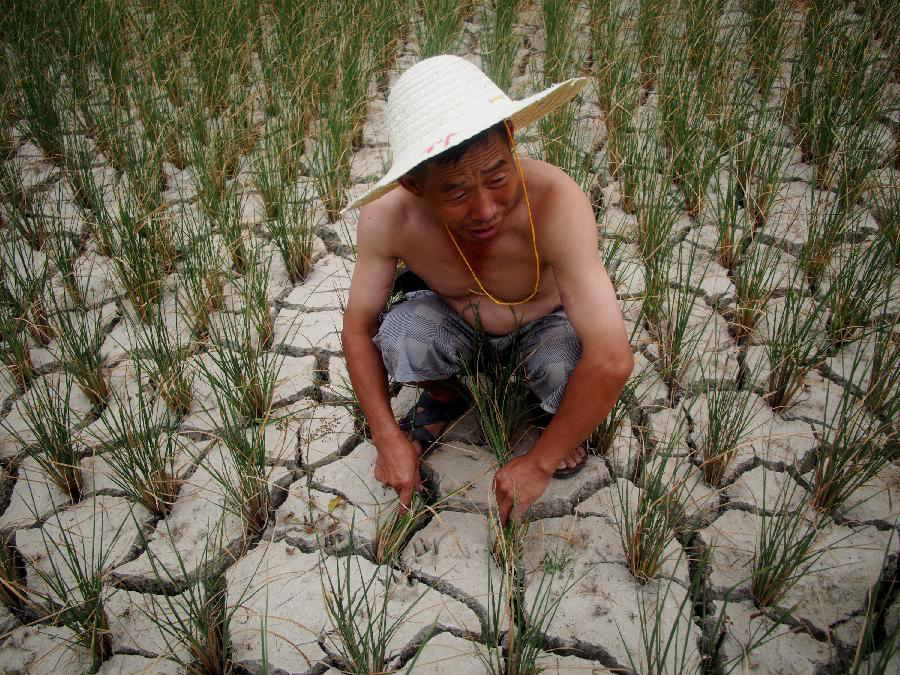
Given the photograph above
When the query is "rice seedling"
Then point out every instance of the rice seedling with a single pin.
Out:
(496, 383)
(649, 30)
(293, 232)
(517, 649)
(245, 484)
(389, 23)
(438, 26)
(79, 159)
(663, 648)
(729, 417)
(21, 207)
(254, 293)
(617, 77)
(13, 594)
(829, 225)
(242, 375)
(655, 208)
(63, 248)
(39, 82)
(215, 147)
(560, 56)
(50, 440)
(684, 125)
(140, 449)
(396, 527)
(877, 645)
(858, 280)
(785, 549)
(277, 160)
(141, 261)
(769, 29)
(197, 620)
(168, 367)
(202, 290)
(601, 439)
(221, 52)
(343, 88)
(836, 88)
(754, 282)
(362, 624)
(16, 348)
(885, 200)
(498, 43)
(881, 390)
(397, 524)
(76, 567)
(671, 316)
(79, 339)
(647, 523)
(729, 219)
(759, 160)
(855, 447)
(563, 138)
(234, 237)
(794, 346)
(23, 279)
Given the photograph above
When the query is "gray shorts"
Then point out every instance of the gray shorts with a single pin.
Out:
(423, 339)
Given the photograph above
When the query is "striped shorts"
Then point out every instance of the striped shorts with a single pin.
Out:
(422, 339)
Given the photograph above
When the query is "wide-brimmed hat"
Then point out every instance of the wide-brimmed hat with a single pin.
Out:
(444, 100)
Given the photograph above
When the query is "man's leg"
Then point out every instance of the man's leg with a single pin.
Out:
(551, 351)
(422, 342)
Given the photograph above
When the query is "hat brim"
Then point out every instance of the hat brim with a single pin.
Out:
(521, 113)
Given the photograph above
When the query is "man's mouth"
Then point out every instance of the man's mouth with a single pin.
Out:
(483, 231)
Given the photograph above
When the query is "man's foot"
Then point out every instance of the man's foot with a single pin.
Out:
(572, 464)
(430, 417)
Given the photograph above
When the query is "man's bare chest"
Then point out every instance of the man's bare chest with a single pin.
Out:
(506, 269)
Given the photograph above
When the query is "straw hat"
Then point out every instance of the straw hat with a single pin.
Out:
(444, 100)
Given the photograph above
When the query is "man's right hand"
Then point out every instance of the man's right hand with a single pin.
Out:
(397, 465)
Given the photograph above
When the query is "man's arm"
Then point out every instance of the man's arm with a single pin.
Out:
(588, 296)
(398, 461)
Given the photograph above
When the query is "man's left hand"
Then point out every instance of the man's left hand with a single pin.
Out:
(518, 485)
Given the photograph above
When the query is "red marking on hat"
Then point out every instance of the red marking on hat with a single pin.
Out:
(445, 141)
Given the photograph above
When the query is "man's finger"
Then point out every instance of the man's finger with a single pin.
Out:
(504, 506)
(405, 496)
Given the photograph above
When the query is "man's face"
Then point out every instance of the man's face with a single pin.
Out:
(474, 195)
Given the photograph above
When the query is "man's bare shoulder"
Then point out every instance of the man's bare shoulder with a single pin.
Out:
(549, 186)
(383, 221)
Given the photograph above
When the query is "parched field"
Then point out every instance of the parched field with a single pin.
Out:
(185, 481)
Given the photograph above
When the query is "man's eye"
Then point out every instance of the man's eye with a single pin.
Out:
(498, 180)
(457, 196)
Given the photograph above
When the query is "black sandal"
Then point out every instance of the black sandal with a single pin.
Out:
(429, 410)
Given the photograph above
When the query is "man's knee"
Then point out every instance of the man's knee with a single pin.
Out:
(550, 360)
(420, 339)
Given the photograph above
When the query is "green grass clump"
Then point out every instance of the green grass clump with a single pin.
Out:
(362, 624)
(438, 27)
(648, 522)
(50, 439)
(498, 42)
(499, 394)
(140, 446)
(855, 447)
(785, 550)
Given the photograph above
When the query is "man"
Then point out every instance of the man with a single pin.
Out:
(503, 244)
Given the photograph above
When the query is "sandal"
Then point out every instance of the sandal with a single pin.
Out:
(429, 410)
(542, 419)
(570, 471)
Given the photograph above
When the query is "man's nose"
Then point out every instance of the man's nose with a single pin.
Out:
(484, 208)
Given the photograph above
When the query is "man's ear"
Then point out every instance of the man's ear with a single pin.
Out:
(410, 184)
